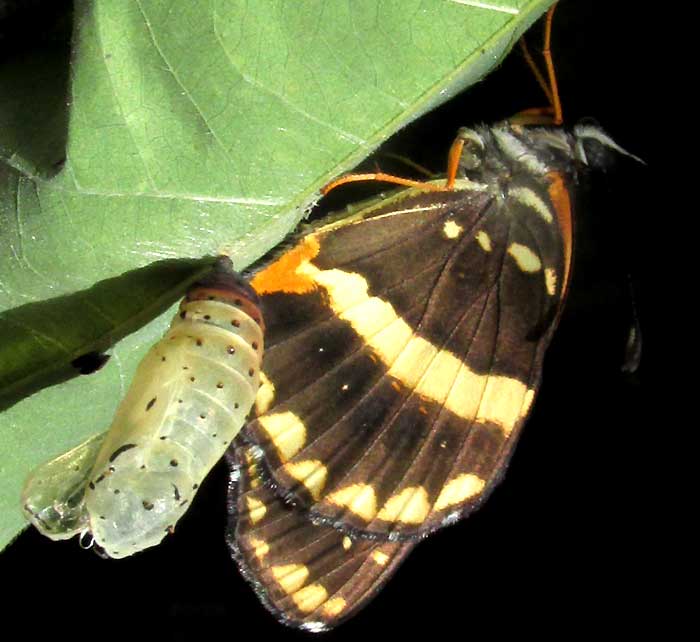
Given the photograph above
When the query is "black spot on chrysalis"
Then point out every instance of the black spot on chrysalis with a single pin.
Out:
(120, 450)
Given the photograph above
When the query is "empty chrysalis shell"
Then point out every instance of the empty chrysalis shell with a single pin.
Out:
(189, 398)
(54, 494)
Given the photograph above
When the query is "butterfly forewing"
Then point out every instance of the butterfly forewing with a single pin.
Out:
(309, 576)
(404, 351)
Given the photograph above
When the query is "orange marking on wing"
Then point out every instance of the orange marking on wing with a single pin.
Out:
(285, 275)
(559, 195)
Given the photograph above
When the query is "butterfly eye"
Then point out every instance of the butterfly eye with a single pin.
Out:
(473, 150)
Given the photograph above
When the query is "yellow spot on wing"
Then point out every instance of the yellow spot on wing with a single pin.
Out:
(525, 258)
(418, 351)
(458, 490)
(528, 198)
(550, 281)
(359, 499)
(389, 342)
(380, 558)
(450, 382)
(334, 607)
(501, 402)
(256, 509)
(290, 577)
(311, 473)
(347, 543)
(310, 597)
(410, 506)
(286, 431)
(260, 547)
(252, 470)
(527, 402)
(265, 396)
(484, 240)
(452, 230)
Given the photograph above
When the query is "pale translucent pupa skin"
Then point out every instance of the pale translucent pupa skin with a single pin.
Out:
(188, 400)
(53, 498)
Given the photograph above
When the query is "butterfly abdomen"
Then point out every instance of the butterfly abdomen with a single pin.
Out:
(188, 400)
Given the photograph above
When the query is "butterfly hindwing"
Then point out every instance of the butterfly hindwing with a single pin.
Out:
(404, 351)
(309, 576)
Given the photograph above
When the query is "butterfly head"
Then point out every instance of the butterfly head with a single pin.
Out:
(506, 149)
(595, 149)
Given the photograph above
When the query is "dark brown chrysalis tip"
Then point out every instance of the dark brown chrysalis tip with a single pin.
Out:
(224, 284)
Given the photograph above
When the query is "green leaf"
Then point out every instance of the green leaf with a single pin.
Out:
(193, 130)
(42, 340)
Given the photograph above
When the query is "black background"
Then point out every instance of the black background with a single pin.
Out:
(564, 544)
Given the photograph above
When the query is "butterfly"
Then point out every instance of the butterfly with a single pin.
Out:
(405, 346)
(189, 398)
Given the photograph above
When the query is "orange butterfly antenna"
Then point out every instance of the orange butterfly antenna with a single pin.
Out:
(540, 115)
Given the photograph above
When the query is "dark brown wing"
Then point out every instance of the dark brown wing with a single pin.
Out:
(405, 349)
(308, 576)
